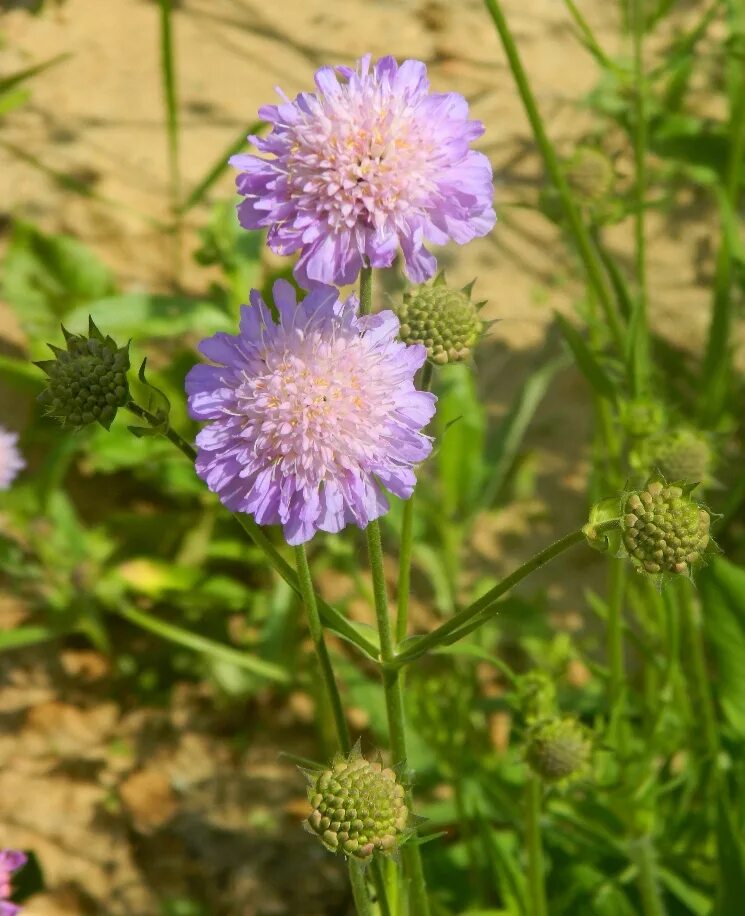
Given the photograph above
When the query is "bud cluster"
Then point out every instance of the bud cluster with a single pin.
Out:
(664, 530)
(359, 807)
(87, 382)
(684, 454)
(443, 320)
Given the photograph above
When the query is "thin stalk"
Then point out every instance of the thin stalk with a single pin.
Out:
(717, 360)
(201, 644)
(319, 642)
(476, 614)
(331, 617)
(695, 668)
(395, 710)
(591, 261)
(643, 855)
(616, 666)
(168, 75)
(362, 901)
(407, 541)
(365, 290)
(640, 356)
(534, 846)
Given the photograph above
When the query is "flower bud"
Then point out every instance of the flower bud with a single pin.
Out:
(559, 749)
(359, 807)
(663, 529)
(444, 320)
(682, 455)
(537, 694)
(641, 417)
(87, 382)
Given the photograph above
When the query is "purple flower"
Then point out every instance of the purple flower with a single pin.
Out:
(10, 460)
(309, 416)
(371, 162)
(10, 861)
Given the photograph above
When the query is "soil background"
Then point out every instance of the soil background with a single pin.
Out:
(124, 807)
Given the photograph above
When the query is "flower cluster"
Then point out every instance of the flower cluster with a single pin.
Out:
(11, 462)
(10, 861)
(310, 415)
(370, 163)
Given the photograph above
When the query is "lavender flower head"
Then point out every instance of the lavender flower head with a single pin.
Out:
(309, 416)
(10, 861)
(11, 461)
(371, 162)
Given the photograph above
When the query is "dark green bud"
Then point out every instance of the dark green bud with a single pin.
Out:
(87, 382)
(443, 320)
(559, 750)
(664, 530)
(359, 807)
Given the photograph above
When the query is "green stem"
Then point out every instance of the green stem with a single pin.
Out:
(476, 614)
(587, 252)
(319, 642)
(331, 617)
(616, 678)
(643, 855)
(365, 290)
(717, 360)
(395, 710)
(534, 846)
(168, 74)
(407, 541)
(640, 343)
(697, 669)
(362, 901)
(201, 644)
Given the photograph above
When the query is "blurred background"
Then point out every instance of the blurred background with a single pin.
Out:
(145, 775)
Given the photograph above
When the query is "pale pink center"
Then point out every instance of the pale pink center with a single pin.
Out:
(361, 157)
(318, 408)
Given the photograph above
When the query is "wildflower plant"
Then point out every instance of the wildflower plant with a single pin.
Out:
(314, 416)
(11, 861)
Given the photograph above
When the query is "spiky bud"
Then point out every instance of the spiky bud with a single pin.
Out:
(642, 417)
(558, 750)
(359, 807)
(590, 174)
(664, 530)
(684, 454)
(444, 320)
(87, 382)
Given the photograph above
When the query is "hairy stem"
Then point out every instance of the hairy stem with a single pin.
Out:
(394, 703)
(476, 614)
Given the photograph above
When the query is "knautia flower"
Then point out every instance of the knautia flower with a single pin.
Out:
(359, 807)
(11, 461)
(370, 163)
(10, 861)
(558, 750)
(310, 417)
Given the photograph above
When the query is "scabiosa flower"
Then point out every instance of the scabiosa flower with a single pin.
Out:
(11, 462)
(10, 861)
(369, 163)
(309, 416)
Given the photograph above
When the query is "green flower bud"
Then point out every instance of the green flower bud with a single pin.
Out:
(359, 807)
(537, 696)
(444, 320)
(559, 750)
(443, 700)
(590, 174)
(87, 382)
(663, 529)
(641, 417)
(681, 455)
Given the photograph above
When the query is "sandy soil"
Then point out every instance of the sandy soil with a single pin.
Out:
(100, 821)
